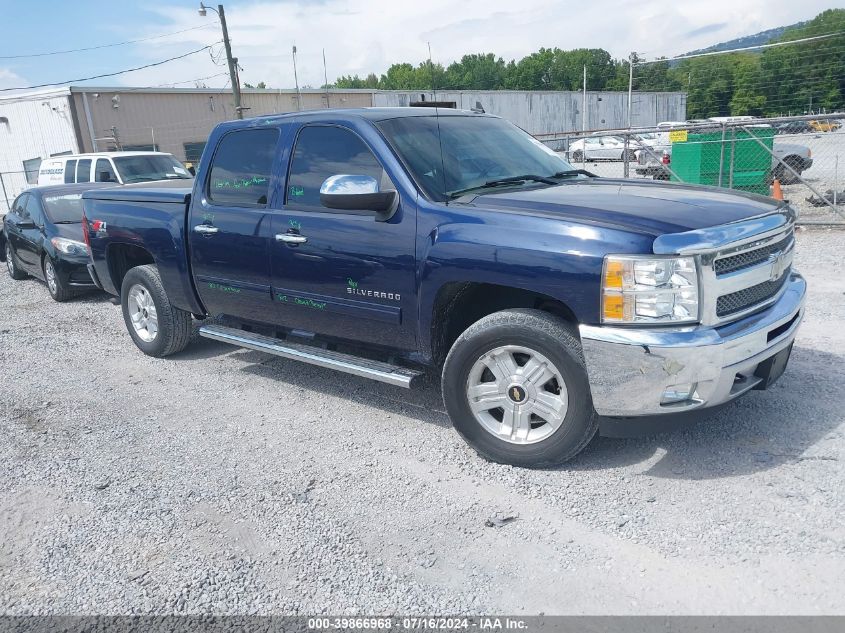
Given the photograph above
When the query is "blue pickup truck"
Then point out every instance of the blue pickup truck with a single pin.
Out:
(391, 243)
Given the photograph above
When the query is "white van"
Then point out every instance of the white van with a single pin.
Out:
(118, 167)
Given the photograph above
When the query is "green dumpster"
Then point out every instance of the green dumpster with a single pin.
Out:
(737, 161)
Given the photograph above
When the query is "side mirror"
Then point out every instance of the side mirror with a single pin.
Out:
(358, 193)
(25, 225)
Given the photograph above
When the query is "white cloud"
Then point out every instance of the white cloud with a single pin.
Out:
(368, 35)
(9, 79)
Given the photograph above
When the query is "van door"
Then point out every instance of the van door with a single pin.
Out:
(104, 171)
(230, 226)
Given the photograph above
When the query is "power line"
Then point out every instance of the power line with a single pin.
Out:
(94, 48)
(119, 72)
(744, 48)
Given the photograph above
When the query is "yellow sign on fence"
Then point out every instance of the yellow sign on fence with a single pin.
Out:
(678, 136)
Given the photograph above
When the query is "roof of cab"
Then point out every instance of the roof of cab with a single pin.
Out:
(371, 114)
(104, 154)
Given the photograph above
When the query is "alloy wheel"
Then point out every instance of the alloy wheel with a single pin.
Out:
(517, 394)
(142, 312)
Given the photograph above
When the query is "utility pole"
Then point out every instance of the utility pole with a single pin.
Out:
(232, 61)
(631, 59)
(326, 79)
(296, 81)
(584, 103)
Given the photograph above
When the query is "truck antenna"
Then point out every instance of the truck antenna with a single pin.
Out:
(437, 118)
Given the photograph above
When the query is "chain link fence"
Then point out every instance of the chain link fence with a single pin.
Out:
(11, 184)
(797, 157)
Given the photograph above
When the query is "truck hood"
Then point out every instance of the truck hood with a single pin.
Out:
(648, 207)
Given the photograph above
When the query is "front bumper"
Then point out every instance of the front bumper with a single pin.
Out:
(73, 272)
(631, 368)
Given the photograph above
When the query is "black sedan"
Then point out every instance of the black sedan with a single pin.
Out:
(43, 238)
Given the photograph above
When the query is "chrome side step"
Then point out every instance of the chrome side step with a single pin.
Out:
(376, 370)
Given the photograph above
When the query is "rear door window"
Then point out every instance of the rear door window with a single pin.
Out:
(83, 170)
(241, 168)
(70, 171)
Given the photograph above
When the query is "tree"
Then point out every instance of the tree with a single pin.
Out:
(808, 75)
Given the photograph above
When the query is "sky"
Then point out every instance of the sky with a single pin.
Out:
(359, 36)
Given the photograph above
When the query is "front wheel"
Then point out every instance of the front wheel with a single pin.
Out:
(12, 264)
(58, 290)
(515, 387)
(577, 156)
(157, 328)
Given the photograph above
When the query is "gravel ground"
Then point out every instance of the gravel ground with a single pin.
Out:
(229, 481)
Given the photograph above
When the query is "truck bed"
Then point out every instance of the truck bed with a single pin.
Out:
(145, 223)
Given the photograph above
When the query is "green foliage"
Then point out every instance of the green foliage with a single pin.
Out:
(780, 80)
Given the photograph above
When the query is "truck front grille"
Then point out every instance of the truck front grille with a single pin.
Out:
(750, 258)
(734, 302)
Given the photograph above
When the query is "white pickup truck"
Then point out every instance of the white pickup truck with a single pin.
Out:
(649, 156)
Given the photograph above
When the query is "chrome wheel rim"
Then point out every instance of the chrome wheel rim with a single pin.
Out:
(10, 264)
(142, 313)
(50, 275)
(517, 394)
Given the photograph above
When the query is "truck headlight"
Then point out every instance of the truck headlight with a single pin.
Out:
(639, 289)
(69, 247)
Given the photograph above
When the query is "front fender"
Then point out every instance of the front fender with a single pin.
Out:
(549, 257)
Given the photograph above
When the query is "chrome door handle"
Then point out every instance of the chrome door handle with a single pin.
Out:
(291, 238)
(205, 229)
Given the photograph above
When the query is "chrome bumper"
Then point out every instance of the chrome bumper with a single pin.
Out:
(631, 368)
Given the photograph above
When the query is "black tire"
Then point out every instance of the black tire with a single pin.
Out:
(58, 290)
(555, 339)
(12, 265)
(785, 176)
(173, 325)
(577, 156)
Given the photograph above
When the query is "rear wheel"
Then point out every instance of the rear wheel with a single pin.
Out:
(12, 264)
(157, 328)
(578, 156)
(784, 175)
(516, 389)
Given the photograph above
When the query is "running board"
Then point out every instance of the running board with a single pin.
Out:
(376, 370)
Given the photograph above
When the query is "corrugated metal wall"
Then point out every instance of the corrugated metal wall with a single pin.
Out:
(174, 118)
(549, 112)
(32, 126)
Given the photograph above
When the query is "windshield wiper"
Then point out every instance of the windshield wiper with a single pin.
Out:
(574, 172)
(498, 182)
(68, 222)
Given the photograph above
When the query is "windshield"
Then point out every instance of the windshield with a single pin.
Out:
(64, 208)
(476, 150)
(151, 167)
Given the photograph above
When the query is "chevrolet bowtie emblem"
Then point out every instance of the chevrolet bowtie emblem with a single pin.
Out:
(779, 264)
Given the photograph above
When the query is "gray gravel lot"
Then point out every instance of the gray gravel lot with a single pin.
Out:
(229, 481)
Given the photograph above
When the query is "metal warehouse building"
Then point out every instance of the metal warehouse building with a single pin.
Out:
(41, 124)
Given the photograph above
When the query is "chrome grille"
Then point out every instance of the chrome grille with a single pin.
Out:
(750, 258)
(734, 302)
